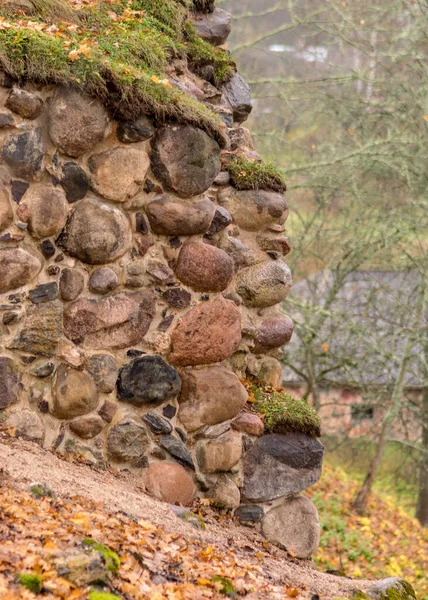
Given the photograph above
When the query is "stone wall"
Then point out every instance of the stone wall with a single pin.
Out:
(137, 288)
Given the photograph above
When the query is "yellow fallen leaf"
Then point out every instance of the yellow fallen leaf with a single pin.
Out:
(73, 55)
(85, 50)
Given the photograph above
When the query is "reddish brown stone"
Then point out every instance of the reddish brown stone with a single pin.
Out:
(87, 427)
(248, 423)
(107, 411)
(273, 333)
(170, 483)
(204, 268)
(208, 333)
(115, 321)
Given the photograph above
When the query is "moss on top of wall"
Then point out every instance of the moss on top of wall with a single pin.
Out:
(117, 51)
(281, 412)
(251, 175)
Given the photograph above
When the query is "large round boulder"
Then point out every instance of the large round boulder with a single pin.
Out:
(171, 216)
(204, 268)
(185, 159)
(264, 284)
(74, 393)
(294, 526)
(118, 174)
(209, 396)
(277, 465)
(95, 233)
(253, 210)
(47, 208)
(209, 333)
(76, 122)
(170, 483)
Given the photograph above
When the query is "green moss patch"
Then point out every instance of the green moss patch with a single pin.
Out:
(250, 175)
(281, 412)
(111, 558)
(97, 595)
(31, 581)
(227, 589)
(115, 52)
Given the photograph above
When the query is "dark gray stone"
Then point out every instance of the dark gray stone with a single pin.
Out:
(249, 513)
(222, 218)
(47, 248)
(169, 411)
(74, 181)
(215, 27)
(177, 449)
(238, 96)
(24, 153)
(128, 440)
(185, 159)
(140, 223)
(279, 465)
(177, 297)
(45, 292)
(129, 132)
(18, 189)
(158, 425)
(10, 382)
(148, 379)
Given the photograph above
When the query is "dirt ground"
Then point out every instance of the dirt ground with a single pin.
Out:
(23, 463)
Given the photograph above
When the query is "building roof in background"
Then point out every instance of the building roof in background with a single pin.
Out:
(361, 336)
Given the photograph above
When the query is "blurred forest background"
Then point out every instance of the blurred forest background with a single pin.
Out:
(340, 91)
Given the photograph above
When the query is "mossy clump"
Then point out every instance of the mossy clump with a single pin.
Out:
(227, 589)
(111, 558)
(40, 490)
(402, 590)
(200, 53)
(250, 175)
(115, 52)
(31, 581)
(282, 412)
(97, 595)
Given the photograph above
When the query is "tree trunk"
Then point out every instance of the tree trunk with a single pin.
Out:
(360, 502)
(422, 506)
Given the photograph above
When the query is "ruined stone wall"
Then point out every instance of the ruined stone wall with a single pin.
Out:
(137, 286)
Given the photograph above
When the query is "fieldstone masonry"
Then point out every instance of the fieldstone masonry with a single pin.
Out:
(137, 289)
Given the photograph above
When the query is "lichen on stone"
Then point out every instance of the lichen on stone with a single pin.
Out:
(251, 175)
(111, 558)
(282, 412)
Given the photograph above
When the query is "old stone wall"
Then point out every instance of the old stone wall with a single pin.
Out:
(137, 288)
